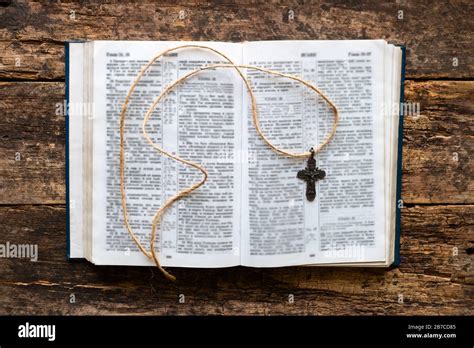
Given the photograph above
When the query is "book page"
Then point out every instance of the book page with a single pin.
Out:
(345, 223)
(200, 121)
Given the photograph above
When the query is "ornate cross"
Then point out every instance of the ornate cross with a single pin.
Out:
(311, 174)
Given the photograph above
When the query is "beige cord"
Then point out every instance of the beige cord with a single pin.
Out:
(122, 141)
(190, 189)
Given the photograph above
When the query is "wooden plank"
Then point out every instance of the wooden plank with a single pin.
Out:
(32, 33)
(434, 278)
(32, 143)
(437, 144)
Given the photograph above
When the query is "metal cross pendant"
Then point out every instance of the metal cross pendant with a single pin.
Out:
(311, 174)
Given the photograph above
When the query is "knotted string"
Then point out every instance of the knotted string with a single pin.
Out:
(185, 192)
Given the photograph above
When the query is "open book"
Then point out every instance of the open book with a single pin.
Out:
(252, 211)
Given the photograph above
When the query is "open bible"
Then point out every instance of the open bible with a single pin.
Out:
(253, 210)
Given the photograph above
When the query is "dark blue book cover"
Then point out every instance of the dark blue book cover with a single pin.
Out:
(396, 261)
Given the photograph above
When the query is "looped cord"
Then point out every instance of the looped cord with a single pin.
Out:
(152, 254)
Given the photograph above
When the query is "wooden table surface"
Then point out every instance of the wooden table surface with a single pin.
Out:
(436, 271)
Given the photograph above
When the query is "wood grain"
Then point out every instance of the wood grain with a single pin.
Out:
(32, 143)
(436, 274)
(437, 35)
(432, 278)
(437, 143)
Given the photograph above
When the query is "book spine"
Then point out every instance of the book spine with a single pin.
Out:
(399, 164)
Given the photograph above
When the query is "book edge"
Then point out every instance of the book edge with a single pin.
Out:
(66, 115)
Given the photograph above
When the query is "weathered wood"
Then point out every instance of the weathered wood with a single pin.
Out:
(32, 33)
(437, 144)
(434, 277)
(436, 273)
(32, 143)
